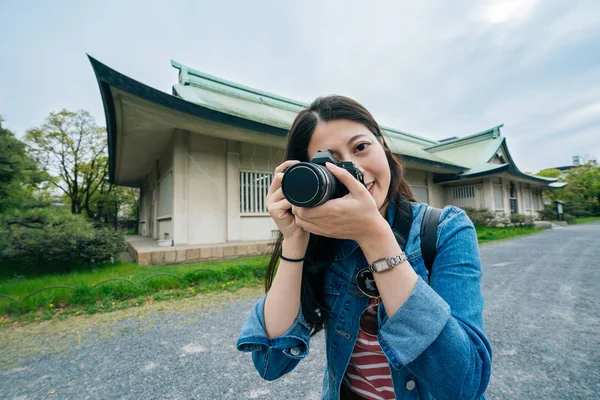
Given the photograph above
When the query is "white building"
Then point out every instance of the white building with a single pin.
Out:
(204, 156)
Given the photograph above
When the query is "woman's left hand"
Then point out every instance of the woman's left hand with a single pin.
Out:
(354, 216)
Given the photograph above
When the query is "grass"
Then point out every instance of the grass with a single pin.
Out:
(125, 285)
(584, 220)
(489, 234)
(120, 286)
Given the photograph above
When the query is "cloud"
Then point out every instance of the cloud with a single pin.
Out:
(433, 68)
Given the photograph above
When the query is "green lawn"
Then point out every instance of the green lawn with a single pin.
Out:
(488, 234)
(584, 220)
(119, 286)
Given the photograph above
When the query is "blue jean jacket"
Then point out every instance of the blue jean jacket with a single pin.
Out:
(436, 339)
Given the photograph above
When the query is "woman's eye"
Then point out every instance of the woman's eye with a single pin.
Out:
(362, 146)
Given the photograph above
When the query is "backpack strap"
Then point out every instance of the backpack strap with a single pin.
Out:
(429, 230)
(402, 222)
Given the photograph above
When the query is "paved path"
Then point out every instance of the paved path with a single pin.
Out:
(542, 315)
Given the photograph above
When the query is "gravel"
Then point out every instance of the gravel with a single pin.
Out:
(542, 316)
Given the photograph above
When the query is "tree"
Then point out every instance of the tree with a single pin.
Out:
(549, 173)
(72, 149)
(19, 173)
(582, 193)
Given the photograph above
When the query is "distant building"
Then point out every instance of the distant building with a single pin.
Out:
(204, 156)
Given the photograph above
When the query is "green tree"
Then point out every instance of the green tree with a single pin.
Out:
(20, 176)
(72, 149)
(582, 193)
(549, 173)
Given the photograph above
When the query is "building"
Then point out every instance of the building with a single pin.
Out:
(204, 155)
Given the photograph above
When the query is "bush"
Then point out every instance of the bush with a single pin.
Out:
(549, 212)
(52, 239)
(521, 220)
(568, 218)
(483, 217)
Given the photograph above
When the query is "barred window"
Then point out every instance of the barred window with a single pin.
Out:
(254, 187)
(463, 192)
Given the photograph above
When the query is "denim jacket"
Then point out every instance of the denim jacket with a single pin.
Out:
(436, 339)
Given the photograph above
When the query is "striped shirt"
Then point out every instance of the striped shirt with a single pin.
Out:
(368, 373)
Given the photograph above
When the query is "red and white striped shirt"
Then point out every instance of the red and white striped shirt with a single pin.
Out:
(368, 373)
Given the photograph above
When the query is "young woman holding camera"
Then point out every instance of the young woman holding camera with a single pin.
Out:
(392, 331)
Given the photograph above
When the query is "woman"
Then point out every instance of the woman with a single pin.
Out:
(422, 340)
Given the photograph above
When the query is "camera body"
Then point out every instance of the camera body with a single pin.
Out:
(310, 184)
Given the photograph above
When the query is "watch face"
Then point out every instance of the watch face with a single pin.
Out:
(380, 265)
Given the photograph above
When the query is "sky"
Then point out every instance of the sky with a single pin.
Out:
(433, 68)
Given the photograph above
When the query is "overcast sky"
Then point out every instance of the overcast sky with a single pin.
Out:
(434, 68)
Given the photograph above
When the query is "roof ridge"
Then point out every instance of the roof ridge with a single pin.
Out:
(409, 136)
(272, 99)
(492, 133)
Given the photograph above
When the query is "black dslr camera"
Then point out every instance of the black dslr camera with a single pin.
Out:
(310, 184)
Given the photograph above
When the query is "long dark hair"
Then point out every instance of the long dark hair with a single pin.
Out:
(321, 250)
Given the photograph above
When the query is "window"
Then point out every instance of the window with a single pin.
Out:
(512, 197)
(498, 197)
(420, 193)
(526, 199)
(464, 192)
(464, 196)
(536, 199)
(165, 196)
(254, 187)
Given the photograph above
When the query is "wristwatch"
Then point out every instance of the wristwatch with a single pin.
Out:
(387, 263)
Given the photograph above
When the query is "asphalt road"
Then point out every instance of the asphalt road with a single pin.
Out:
(542, 316)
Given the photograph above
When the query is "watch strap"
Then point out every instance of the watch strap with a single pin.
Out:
(387, 263)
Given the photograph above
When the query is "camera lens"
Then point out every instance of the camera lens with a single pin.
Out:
(308, 185)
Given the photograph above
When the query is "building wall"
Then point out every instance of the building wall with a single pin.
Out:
(206, 188)
(207, 192)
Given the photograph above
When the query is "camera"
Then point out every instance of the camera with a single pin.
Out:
(310, 184)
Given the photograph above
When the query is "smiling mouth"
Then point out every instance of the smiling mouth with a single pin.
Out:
(370, 186)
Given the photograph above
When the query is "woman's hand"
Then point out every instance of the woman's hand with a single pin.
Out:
(354, 216)
(278, 207)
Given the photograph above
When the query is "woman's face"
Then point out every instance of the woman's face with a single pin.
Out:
(351, 141)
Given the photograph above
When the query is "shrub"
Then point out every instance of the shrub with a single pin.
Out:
(483, 217)
(521, 220)
(52, 239)
(568, 218)
(549, 212)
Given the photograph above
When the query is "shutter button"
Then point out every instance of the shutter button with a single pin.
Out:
(410, 385)
(295, 351)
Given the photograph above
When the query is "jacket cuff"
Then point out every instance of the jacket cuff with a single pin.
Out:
(414, 327)
(293, 343)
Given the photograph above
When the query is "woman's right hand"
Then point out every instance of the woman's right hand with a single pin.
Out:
(280, 209)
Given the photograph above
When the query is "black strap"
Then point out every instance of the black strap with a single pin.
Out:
(402, 222)
(429, 228)
(401, 228)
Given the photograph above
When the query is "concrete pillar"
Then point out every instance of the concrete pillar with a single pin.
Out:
(180, 187)
(234, 231)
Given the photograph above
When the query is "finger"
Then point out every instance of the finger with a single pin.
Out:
(285, 165)
(276, 196)
(276, 184)
(326, 210)
(279, 208)
(308, 225)
(354, 186)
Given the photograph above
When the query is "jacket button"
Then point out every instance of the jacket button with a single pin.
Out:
(295, 351)
(410, 385)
